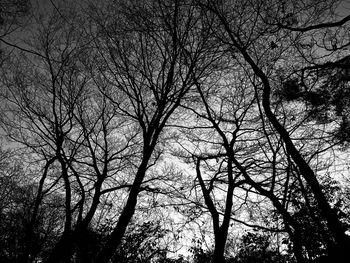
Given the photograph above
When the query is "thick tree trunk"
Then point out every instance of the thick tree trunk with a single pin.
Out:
(342, 241)
(63, 250)
(219, 248)
(116, 236)
(333, 222)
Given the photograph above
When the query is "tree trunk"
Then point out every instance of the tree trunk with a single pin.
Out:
(297, 247)
(219, 248)
(333, 222)
(342, 241)
(115, 238)
(63, 250)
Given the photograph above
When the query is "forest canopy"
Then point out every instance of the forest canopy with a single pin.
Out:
(174, 131)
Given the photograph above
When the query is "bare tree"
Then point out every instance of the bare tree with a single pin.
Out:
(150, 52)
(238, 153)
(44, 84)
(257, 45)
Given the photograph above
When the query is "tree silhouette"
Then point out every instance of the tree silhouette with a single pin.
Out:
(132, 127)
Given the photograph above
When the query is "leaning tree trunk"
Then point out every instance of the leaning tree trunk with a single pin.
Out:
(116, 236)
(342, 242)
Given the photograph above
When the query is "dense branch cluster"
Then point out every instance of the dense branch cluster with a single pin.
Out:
(174, 131)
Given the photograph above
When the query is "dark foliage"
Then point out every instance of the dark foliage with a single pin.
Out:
(290, 90)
